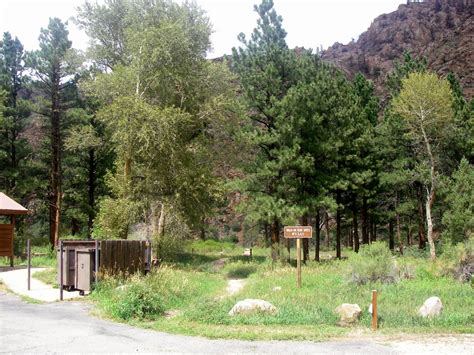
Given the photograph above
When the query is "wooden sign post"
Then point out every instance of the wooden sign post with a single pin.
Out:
(374, 310)
(298, 232)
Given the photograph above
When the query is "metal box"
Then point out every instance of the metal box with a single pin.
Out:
(68, 267)
(84, 274)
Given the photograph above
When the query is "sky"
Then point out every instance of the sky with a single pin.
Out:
(309, 23)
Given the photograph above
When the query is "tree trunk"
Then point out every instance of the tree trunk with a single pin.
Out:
(91, 192)
(399, 235)
(374, 233)
(430, 194)
(305, 222)
(421, 217)
(318, 236)
(429, 220)
(338, 225)
(161, 221)
(326, 229)
(365, 221)
(55, 177)
(409, 232)
(355, 224)
(288, 249)
(275, 239)
(390, 235)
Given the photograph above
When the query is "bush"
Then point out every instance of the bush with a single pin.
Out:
(373, 263)
(138, 300)
(458, 261)
(168, 246)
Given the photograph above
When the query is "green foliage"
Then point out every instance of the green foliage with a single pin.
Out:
(373, 263)
(48, 276)
(162, 107)
(457, 261)
(459, 216)
(425, 101)
(168, 246)
(147, 297)
(210, 246)
(114, 218)
(136, 299)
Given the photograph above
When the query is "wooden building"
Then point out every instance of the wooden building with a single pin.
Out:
(10, 209)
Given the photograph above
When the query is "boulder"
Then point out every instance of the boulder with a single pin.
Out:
(249, 306)
(348, 313)
(431, 308)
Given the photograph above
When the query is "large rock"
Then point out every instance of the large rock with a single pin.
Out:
(431, 308)
(348, 313)
(249, 306)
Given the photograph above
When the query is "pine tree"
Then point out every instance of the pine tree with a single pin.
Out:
(14, 148)
(53, 64)
(267, 70)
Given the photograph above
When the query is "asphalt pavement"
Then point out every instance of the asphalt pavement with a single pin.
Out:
(67, 327)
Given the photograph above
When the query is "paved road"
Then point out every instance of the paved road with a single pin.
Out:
(68, 328)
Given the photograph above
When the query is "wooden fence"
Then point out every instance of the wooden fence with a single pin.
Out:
(124, 256)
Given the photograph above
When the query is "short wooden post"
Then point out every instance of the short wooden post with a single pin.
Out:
(298, 261)
(61, 271)
(28, 255)
(374, 310)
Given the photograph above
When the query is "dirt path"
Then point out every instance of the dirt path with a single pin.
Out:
(66, 327)
(234, 286)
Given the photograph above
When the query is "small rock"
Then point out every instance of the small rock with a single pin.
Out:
(276, 288)
(348, 313)
(247, 252)
(431, 308)
(249, 306)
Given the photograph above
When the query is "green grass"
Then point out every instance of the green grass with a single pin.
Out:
(48, 276)
(146, 297)
(42, 256)
(197, 291)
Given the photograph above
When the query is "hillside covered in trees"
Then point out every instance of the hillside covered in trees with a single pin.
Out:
(143, 137)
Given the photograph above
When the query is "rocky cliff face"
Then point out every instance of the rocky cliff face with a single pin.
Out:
(440, 30)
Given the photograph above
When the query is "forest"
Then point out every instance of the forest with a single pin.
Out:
(142, 136)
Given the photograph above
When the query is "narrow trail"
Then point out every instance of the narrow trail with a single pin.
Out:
(234, 286)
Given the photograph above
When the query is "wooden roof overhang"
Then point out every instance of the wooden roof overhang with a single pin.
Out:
(9, 207)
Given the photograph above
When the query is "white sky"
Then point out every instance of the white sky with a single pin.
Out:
(309, 23)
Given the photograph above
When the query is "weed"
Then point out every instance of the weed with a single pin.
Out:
(373, 263)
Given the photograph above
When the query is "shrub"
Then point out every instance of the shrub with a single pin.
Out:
(458, 261)
(168, 246)
(138, 300)
(373, 263)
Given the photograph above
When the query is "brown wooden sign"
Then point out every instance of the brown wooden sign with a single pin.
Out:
(296, 232)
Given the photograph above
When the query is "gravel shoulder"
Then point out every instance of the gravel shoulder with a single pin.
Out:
(67, 327)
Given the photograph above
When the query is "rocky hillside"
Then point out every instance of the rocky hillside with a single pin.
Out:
(440, 30)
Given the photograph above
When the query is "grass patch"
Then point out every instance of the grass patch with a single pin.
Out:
(194, 288)
(147, 297)
(42, 256)
(48, 276)
(239, 269)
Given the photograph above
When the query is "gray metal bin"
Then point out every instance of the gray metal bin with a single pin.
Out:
(84, 273)
(78, 264)
(69, 259)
